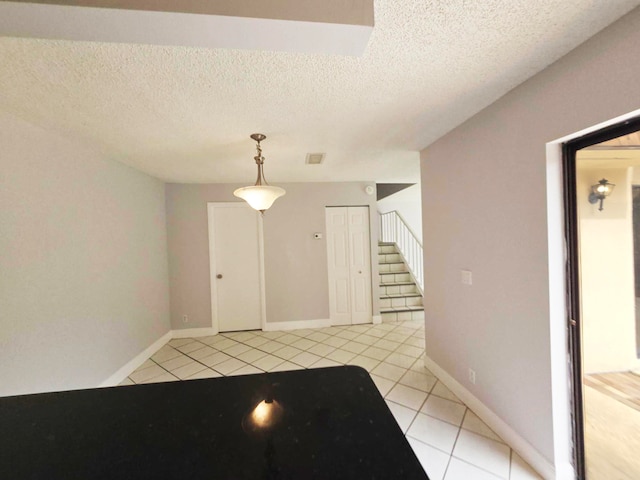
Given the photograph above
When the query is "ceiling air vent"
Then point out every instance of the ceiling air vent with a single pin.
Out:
(314, 158)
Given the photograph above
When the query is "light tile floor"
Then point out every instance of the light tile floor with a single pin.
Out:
(450, 441)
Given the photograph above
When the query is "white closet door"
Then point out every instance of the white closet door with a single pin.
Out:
(360, 264)
(349, 265)
(339, 265)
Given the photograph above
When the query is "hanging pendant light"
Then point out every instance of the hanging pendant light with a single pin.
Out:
(261, 195)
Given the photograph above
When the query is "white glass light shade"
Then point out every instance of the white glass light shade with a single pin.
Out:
(603, 189)
(259, 197)
(600, 191)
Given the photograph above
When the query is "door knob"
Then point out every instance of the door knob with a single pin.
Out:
(219, 275)
(359, 271)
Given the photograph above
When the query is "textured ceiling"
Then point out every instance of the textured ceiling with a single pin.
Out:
(185, 114)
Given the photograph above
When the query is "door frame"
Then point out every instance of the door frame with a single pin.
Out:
(573, 318)
(211, 206)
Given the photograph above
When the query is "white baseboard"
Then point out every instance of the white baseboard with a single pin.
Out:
(194, 332)
(138, 360)
(297, 324)
(376, 319)
(527, 451)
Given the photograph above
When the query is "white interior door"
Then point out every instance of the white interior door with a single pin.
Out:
(349, 264)
(236, 267)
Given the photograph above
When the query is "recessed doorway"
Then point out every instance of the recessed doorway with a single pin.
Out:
(600, 171)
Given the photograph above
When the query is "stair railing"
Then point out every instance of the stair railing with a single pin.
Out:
(394, 229)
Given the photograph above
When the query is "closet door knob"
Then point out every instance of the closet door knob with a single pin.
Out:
(219, 275)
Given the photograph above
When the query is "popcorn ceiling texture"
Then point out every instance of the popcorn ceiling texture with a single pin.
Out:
(185, 114)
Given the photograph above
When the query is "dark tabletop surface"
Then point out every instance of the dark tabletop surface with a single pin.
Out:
(328, 423)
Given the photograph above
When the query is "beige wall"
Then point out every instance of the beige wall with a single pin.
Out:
(606, 271)
(83, 262)
(486, 211)
(295, 263)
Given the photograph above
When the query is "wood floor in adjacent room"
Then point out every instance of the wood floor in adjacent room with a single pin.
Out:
(612, 431)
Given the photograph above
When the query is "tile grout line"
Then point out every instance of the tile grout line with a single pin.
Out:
(274, 353)
(467, 409)
(455, 442)
(417, 412)
(510, 461)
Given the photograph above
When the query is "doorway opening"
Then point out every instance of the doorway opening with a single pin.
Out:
(601, 176)
(635, 215)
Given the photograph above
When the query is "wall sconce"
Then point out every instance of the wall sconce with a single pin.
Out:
(600, 191)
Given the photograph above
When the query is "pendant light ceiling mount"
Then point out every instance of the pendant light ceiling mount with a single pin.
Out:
(258, 137)
(261, 195)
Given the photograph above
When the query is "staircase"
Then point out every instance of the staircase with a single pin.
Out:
(400, 298)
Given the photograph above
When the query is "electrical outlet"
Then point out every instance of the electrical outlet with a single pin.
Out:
(185, 318)
(472, 376)
(466, 277)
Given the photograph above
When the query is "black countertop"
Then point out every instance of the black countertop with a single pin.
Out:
(328, 423)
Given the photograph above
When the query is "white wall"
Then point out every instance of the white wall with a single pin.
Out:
(408, 203)
(486, 211)
(606, 272)
(83, 262)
